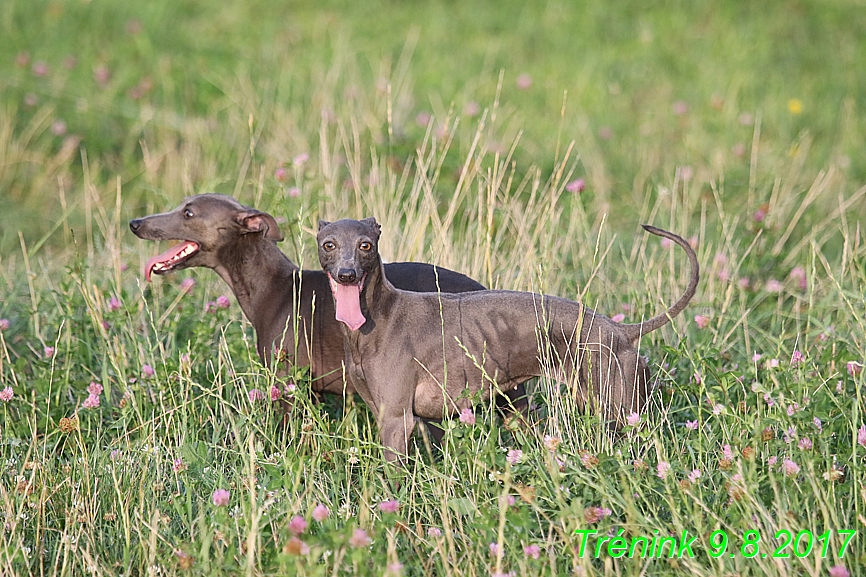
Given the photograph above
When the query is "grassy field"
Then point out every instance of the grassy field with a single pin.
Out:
(521, 144)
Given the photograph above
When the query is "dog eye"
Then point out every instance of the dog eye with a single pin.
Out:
(365, 246)
(187, 213)
(329, 245)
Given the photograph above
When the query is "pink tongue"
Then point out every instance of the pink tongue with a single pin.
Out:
(166, 256)
(348, 299)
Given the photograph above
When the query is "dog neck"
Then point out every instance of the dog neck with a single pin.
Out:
(254, 267)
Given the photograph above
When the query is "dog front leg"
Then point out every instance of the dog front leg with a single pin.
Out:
(395, 429)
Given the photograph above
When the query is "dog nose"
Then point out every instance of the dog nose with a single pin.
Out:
(346, 275)
(134, 225)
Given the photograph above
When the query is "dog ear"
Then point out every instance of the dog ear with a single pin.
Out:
(257, 221)
(323, 224)
(371, 222)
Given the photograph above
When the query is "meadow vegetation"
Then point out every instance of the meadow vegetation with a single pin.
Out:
(519, 143)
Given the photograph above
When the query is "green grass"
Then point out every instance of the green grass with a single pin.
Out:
(678, 114)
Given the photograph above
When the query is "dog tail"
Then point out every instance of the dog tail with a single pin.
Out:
(635, 331)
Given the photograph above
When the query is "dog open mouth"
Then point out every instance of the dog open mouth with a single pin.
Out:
(348, 301)
(170, 259)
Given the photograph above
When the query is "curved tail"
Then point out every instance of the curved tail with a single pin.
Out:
(634, 331)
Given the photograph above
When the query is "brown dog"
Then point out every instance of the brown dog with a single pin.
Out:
(418, 354)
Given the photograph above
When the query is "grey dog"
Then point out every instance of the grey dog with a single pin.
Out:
(284, 303)
(425, 355)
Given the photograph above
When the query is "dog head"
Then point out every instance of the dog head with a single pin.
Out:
(204, 224)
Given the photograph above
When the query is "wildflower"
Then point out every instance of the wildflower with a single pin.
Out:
(588, 459)
(666, 243)
(114, 304)
(223, 302)
(840, 388)
(744, 283)
(321, 512)
(795, 106)
(281, 174)
(494, 549)
(790, 468)
(49, 352)
(297, 525)
(790, 434)
(769, 400)
(300, 159)
(114, 454)
(524, 81)
(576, 186)
(772, 461)
(94, 388)
(186, 285)
(792, 408)
(178, 466)
(632, 419)
(639, 465)
(727, 453)
(102, 75)
(692, 425)
(506, 500)
(839, 571)
(394, 568)
(6, 394)
(471, 109)
(295, 546)
(718, 409)
(595, 514)
(68, 424)
(854, 368)
(697, 377)
(702, 321)
(91, 402)
(220, 497)
(276, 393)
(294, 192)
(359, 538)
(434, 532)
(147, 371)
(422, 119)
(663, 469)
(756, 357)
(467, 417)
(817, 422)
(694, 475)
(40, 69)
(833, 474)
(797, 357)
(389, 506)
(514, 456)
(618, 318)
(680, 107)
(184, 560)
(861, 436)
(798, 274)
(256, 395)
(5, 324)
(551, 442)
(805, 444)
(773, 363)
(774, 286)
(533, 551)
